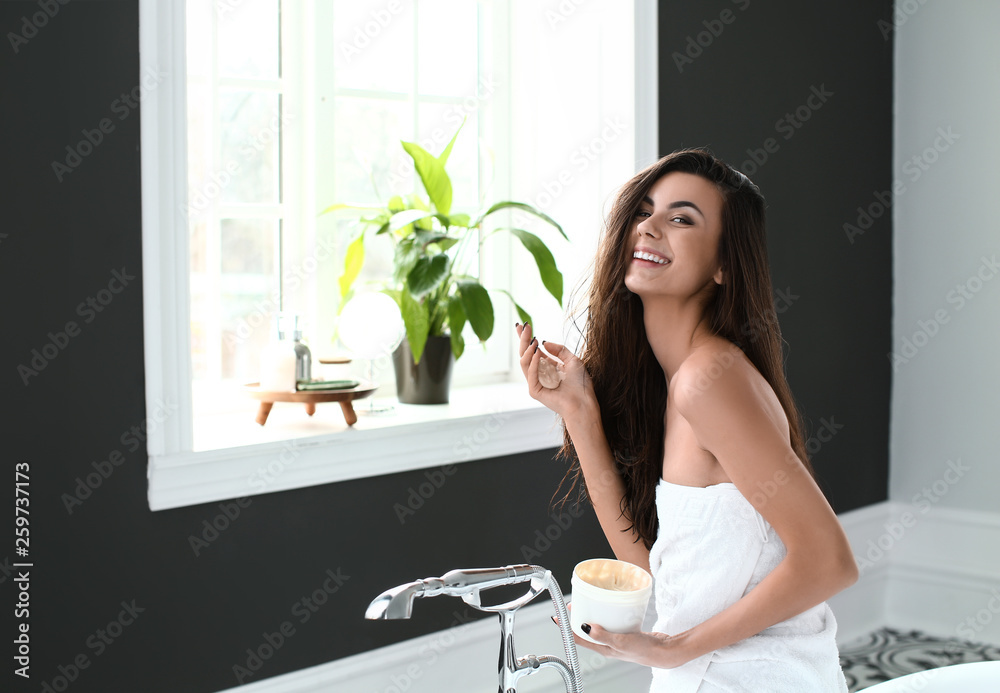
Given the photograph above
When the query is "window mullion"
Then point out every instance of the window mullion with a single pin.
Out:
(298, 232)
(213, 230)
(495, 125)
(415, 83)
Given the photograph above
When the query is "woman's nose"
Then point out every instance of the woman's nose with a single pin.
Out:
(646, 228)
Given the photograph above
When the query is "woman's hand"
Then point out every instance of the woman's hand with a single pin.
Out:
(648, 649)
(574, 395)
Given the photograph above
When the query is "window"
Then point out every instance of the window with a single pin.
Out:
(290, 107)
(285, 107)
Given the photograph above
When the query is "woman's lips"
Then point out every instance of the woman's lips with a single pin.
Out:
(649, 262)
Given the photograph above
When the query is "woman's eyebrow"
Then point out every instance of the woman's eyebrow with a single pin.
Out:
(674, 205)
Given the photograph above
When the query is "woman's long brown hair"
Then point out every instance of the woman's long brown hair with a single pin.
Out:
(628, 380)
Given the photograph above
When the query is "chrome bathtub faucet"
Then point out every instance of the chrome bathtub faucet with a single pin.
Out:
(398, 603)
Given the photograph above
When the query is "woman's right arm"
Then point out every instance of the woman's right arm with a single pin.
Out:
(605, 487)
(574, 400)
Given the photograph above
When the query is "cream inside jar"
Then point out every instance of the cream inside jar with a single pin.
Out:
(617, 576)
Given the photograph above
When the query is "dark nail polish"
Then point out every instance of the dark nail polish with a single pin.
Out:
(585, 628)
(543, 341)
(533, 340)
(554, 620)
(517, 324)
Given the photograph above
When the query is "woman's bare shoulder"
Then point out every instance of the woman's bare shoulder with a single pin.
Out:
(715, 360)
(720, 370)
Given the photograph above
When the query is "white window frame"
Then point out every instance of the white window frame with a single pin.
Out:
(480, 422)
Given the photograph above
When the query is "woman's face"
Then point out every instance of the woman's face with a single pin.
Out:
(680, 220)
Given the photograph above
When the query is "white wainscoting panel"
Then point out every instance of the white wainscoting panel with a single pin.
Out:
(923, 567)
(945, 575)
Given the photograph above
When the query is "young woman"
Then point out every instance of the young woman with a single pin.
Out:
(678, 417)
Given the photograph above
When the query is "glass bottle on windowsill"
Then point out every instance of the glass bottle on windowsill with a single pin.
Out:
(303, 356)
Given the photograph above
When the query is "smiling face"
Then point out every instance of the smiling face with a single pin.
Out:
(679, 222)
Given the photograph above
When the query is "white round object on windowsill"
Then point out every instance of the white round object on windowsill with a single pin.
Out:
(371, 325)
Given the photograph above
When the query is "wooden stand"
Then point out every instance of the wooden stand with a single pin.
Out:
(310, 398)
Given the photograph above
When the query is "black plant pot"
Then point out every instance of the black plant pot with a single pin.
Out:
(426, 382)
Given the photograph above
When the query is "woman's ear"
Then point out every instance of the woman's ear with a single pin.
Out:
(720, 276)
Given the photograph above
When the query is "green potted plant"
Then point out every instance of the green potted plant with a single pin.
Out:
(435, 294)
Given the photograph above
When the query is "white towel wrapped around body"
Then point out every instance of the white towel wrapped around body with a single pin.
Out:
(712, 548)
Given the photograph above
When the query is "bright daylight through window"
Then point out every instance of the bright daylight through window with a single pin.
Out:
(290, 107)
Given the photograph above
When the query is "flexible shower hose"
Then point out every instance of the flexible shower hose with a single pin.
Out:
(572, 661)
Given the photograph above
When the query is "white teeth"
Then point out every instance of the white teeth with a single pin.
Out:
(649, 256)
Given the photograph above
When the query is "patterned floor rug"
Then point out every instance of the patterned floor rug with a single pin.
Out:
(887, 653)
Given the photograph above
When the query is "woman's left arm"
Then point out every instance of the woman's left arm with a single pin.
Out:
(727, 412)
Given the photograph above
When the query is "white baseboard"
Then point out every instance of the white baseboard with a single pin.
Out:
(923, 567)
(928, 570)
(945, 578)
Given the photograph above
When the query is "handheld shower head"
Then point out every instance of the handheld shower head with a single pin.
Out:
(394, 603)
(397, 602)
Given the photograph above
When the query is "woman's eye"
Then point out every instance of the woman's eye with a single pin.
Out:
(683, 220)
(641, 213)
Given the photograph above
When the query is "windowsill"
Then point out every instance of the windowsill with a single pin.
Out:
(237, 457)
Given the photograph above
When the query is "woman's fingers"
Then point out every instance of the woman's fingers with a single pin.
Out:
(526, 343)
(524, 334)
(596, 647)
(533, 354)
(555, 348)
(528, 350)
(559, 351)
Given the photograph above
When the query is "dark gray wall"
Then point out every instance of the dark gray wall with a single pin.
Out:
(798, 96)
(61, 242)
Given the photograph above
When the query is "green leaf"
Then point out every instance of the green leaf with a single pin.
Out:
(416, 321)
(432, 175)
(521, 312)
(524, 207)
(425, 238)
(406, 217)
(456, 314)
(459, 220)
(457, 345)
(478, 308)
(445, 221)
(551, 277)
(406, 254)
(343, 302)
(442, 244)
(354, 258)
(396, 204)
(447, 150)
(426, 274)
(378, 220)
(456, 323)
(438, 310)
